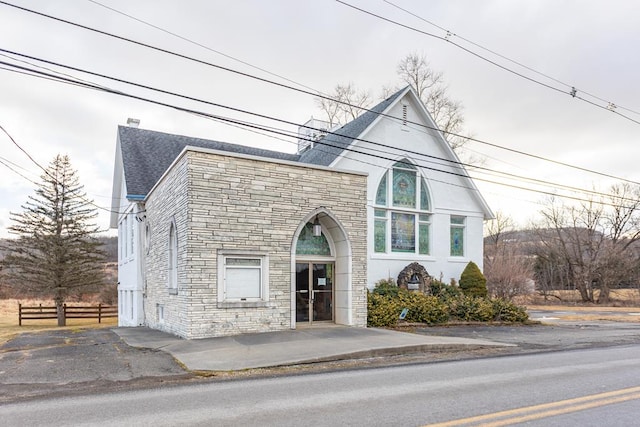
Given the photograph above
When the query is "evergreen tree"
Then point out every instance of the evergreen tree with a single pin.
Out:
(472, 281)
(56, 251)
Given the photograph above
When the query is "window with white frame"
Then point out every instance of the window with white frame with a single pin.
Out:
(120, 237)
(132, 227)
(457, 235)
(244, 278)
(173, 259)
(402, 218)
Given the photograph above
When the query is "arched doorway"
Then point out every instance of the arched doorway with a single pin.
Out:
(321, 289)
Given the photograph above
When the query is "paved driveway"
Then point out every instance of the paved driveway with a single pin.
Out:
(68, 361)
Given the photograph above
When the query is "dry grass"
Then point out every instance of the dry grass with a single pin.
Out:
(9, 320)
(620, 298)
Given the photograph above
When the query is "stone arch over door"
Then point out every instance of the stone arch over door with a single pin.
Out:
(341, 255)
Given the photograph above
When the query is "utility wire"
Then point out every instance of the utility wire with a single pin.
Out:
(573, 93)
(188, 40)
(320, 95)
(55, 180)
(460, 165)
(321, 142)
(7, 163)
(452, 34)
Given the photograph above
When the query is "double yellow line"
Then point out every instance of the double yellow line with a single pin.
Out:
(536, 412)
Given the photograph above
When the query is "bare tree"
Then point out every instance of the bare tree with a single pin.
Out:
(55, 251)
(346, 104)
(592, 245)
(447, 113)
(498, 227)
(507, 267)
(415, 70)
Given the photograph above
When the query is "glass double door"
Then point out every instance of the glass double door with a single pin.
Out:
(314, 292)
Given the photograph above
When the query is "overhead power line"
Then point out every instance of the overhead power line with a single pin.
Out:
(384, 146)
(55, 179)
(450, 34)
(325, 143)
(210, 49)
(315, 94)
(609, 106)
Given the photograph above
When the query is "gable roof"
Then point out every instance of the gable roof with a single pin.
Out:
(147, 154)
(143, 156)
(329, 148)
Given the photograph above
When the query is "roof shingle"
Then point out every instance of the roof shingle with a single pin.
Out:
(329, 148)
(147, 154)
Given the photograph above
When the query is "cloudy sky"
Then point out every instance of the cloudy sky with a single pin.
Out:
(315, 44)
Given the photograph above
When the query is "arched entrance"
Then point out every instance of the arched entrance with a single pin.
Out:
(321, 290)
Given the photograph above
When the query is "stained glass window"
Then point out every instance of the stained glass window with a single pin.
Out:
(424, 198)
(423, 235)
(457, 236)
(380, 235)
(308, 244)
(381, 195)
(403, 236)
(380, 231)
(404, 195)
(404, 188)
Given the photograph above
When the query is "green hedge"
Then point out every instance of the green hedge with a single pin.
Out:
(386, 304)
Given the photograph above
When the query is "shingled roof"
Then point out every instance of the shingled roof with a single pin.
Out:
(329, 148)
(146, 155)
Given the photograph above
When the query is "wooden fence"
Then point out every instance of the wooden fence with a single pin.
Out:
(70, 312)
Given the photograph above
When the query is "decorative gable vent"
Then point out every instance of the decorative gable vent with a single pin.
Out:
(404, 114)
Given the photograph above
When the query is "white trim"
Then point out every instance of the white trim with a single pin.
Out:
(341, 284)
(248, 302)
(389, 209)
(437, 134)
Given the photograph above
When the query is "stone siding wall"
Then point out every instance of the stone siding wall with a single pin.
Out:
(168, 204)
(223, 204)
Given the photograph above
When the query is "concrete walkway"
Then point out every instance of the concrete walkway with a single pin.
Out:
(317, 344)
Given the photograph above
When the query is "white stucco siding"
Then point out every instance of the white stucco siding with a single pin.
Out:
(450, 193)
(130, 272)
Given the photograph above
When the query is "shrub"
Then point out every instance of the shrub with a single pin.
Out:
(382, 310)
(385, 309)
(424, 308)
(443, 291)
(386, 287)
(386, 302)
(507, 311)
(472, 281)
(472, 309)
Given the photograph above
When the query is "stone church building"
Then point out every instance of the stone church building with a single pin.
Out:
(220, 239)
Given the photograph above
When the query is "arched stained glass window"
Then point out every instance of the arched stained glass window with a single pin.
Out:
(402, 221)
(173, 258)
(308, 244)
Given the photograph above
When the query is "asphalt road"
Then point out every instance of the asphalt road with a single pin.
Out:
(553, 336)
(588, 387)
(72, 363)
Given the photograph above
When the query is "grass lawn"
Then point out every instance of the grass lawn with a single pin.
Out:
(9, 320)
